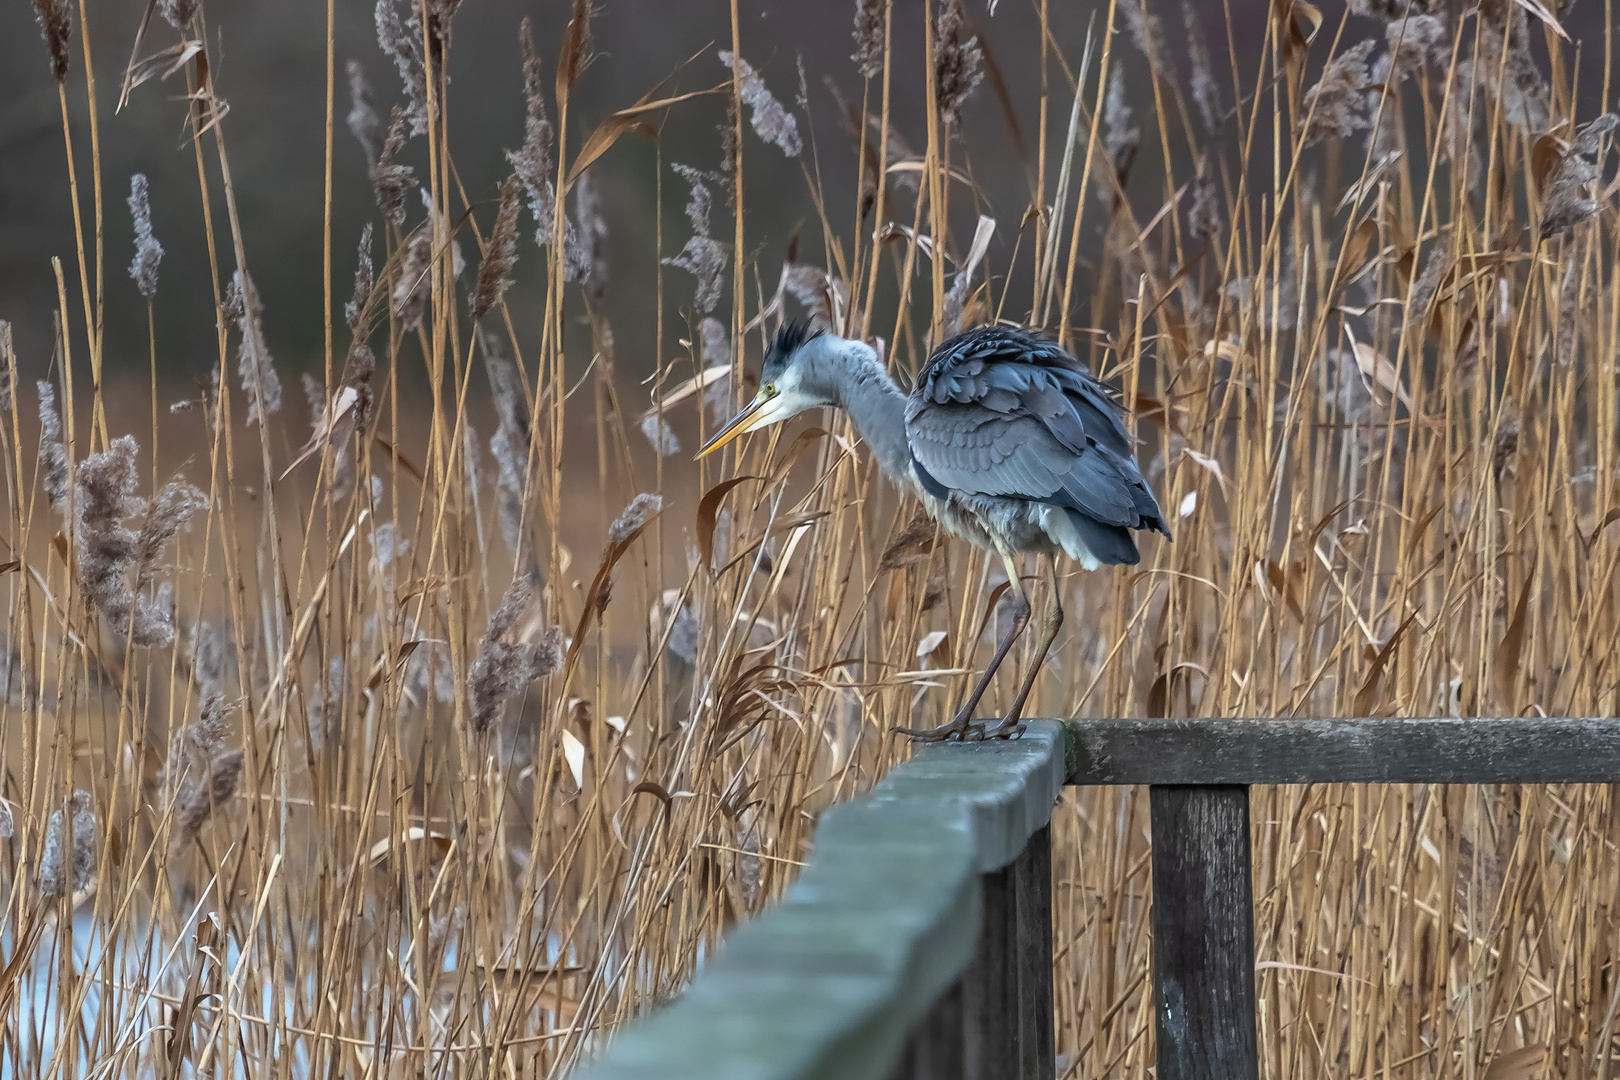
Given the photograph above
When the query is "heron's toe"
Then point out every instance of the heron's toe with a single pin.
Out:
(957, 730)
(1010, 728)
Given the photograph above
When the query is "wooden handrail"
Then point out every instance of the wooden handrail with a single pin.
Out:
(1416, 751)
(929, 875)
(1199, 772)
(916, 943)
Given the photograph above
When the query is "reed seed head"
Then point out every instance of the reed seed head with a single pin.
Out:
(702, 257)
(364, 124)
(67, 863)
(495, 273)
(958, 64)
(403, 43)
(178, 13)
(389, 179)
(260, 382)
(55, 18)
(869, 37)
(8, 364)
(148, 252)
(640, 511)
(365, 281)
(415, 279)
(1206, 91)
(52, 454)
(771, 122)
(660, 434)
(504, 667)
(1337, 104)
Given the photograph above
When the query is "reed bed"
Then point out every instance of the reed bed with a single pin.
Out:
(444, 735)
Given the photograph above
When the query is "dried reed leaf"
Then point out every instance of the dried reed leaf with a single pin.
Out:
(990, 605)
(1376, 367)
(1608, 519)
(1287, 584)
(616, 124)
(1510, 652)
(699, 382)
(913, 545)
(1357, 255)
(1367, 696)
(1547, 18)
(957, 295)
(708, 513)
(1521, 1064)
(930, 643)
(801, 442)
(1209, 465)
(1506, 443)
(596, 595)
(1310, 13)
(576, 47)
(1158, 702)
(1421, 528)
(1546, 155)
(657, 791)
(574, 754)
(413, 834)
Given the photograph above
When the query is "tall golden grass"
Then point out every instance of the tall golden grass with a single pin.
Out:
(448, 766)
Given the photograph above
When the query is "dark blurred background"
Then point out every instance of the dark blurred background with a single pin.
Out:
(269, 64)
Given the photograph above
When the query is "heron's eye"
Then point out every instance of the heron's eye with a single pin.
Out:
(770, 389)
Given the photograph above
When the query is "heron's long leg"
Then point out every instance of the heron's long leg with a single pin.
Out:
(962, 725)
(1013, 722)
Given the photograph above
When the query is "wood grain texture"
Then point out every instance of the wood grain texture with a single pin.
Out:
(997, 1022)
(1417, 751)
(882, 922)
(1037, 1051)
(1203, 934)
(935, 1048)
(990, 984)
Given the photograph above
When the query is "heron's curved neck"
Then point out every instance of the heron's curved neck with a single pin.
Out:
(877, 408)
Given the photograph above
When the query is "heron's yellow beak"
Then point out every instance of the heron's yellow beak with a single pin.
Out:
(756, 414)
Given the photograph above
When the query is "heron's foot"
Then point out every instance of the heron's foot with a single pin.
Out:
(962, 729)
(1010, 728)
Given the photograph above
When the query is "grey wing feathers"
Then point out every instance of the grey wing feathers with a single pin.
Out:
(1002, 412)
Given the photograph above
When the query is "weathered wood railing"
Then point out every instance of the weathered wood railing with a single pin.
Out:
(917, 942)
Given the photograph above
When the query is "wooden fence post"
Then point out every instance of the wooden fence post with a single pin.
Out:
(990, 984)
(1037, 1050)
(997, 1022)
(1203, 933)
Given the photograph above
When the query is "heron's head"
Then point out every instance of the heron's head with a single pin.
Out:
(803, 369)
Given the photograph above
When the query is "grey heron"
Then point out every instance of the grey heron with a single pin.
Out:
(1006, 440)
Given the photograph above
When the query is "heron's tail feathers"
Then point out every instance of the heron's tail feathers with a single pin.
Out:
(1099, 544)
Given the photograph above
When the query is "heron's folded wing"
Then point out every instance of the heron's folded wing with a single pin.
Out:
(1000, 412)
(975, 449)
(979, 451)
